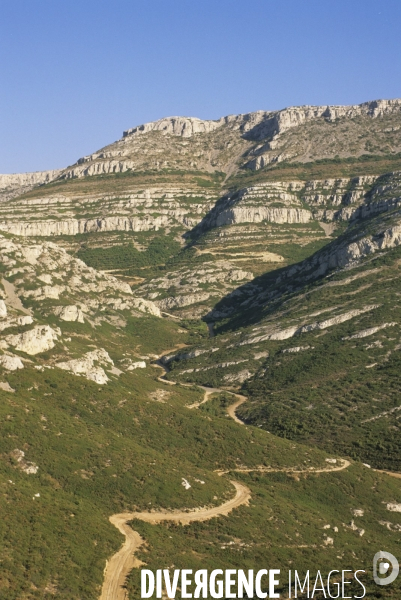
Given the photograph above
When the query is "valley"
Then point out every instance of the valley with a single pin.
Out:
(256, 260)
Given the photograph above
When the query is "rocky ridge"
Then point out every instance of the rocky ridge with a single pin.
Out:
(234, 141)
(16, 184)
(137, 209)
(185, 208)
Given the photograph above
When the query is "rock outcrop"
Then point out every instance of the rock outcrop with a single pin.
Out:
(18, 183)
(89, 366)
(178, 301)
(36, 340)
(289, 332)
(28, 467)
(79, 226)
(263, 125)
(3, 309)
(10, 362)
(69, 313)
(181, 126)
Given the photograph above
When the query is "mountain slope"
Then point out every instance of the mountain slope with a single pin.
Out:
(258, 254)
(316, 346)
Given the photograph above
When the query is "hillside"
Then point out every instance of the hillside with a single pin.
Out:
(200, 323)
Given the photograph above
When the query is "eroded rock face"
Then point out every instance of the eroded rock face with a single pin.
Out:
(11, 363)
(3, 309)
(89, 366)
(146, 306)
(13, 185)
(181, 126)
(345, 253)
(289, 332)
(48, 263)
(78, 226)
(178, 301)
(69, 313)
(274, 123)
(239, 377)
(370, 331)
(141, 364)
(219, 277)
(36, 340)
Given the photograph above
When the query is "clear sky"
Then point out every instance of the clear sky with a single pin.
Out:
(75, 73)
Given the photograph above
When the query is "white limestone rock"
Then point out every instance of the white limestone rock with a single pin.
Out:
(11, 362)
(6, 387)
(90, 366)
(179, 301)
(46, 278)
(50, 228)
(69, 313)
(289, 332)
(366, 332)
(180, 126)
(185, 483)
(46, 291)
(146, 306)
(393, 506)
(36, 340)
(3, 310)
(136, 365)
(295, 349)
(28, 467)
(239, 377)
(12, 322)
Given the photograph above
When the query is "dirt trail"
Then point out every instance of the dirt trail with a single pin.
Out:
(233, 407)
(344, 465)
(12, 298)
(118, 567)
(391, 473)
(124, 561)
(208, 392)
(159, 365)
(230, 409)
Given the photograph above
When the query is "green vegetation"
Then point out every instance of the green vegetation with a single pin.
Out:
(337, 392)
(283, 528)
(322, 393)
(102, 450)
(127, 257)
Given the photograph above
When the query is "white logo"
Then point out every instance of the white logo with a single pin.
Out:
(385, 560)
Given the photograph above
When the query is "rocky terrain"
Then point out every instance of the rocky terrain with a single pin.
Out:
(43, 289)
(253, 140)
(14, 185)
(198, 299)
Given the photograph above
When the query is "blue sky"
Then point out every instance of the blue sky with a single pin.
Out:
(75, 74)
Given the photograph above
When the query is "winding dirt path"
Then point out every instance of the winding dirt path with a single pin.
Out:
(124, 561)
(230, 409)
(120, 565)
(233, 407)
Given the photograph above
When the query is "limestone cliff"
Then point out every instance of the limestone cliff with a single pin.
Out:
(15, 184)
(182, 126)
